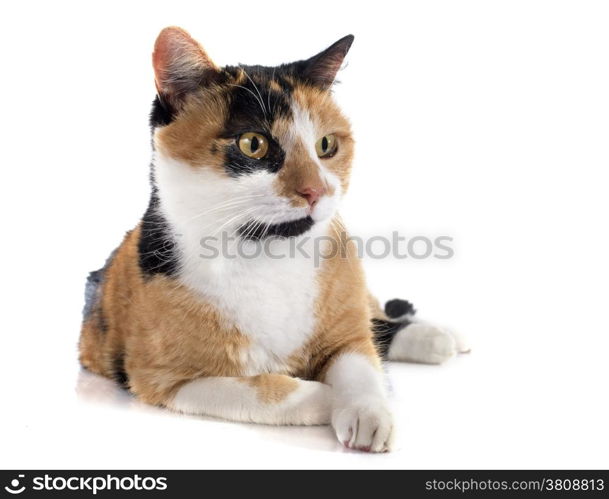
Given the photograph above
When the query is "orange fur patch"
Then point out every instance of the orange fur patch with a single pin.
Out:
(329, 119)
(342, 310)
(275, 87)
(271, 388)
(195, 136)
(166, 334)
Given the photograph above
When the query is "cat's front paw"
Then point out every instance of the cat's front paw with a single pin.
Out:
(364, 424)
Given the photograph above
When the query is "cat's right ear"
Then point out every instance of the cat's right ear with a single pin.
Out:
(180, 64)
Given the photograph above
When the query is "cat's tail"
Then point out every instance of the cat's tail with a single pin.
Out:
(397, 315)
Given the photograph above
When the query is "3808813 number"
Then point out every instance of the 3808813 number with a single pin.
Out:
(566, 484)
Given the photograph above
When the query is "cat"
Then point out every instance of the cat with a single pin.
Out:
(264, 154)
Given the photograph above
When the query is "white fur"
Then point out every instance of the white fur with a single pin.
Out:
(229, 398)
(360, 414)
(426, 343)
(304, 129)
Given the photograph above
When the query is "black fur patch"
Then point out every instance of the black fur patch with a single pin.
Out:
(254, 231)
(384, 331)
(119, 374)
(254, 98)
(161, 114)
(398, 308)
(156, 246)
(253, 107)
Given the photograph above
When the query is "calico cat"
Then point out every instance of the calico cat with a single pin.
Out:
(263, 154)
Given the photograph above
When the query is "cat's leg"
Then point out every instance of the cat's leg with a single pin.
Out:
(360, 414)
(344, 356)
(267, 398)
(402, 336)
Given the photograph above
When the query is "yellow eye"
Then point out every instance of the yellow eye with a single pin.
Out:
(326, 146)
(253, 145)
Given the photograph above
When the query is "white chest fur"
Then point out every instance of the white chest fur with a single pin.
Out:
(270, 300)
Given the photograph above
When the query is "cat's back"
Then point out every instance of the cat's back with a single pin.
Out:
(109, 291)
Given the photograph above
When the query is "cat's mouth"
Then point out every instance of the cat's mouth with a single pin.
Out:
(256, 230)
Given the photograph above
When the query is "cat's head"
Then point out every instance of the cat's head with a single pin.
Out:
(250, 149)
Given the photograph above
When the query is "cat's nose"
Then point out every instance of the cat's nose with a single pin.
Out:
(311, 194)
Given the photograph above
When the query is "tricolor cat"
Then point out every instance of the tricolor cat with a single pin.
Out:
(259, 153)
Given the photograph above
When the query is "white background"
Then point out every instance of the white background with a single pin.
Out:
(485, 121)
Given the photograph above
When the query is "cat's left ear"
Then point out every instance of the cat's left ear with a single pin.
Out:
(321, 69)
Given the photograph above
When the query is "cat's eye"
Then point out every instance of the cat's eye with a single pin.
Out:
(253, 145)
(326, 146)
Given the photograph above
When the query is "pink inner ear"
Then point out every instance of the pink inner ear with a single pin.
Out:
(178, 61)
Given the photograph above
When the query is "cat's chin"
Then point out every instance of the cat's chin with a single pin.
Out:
(255, 230)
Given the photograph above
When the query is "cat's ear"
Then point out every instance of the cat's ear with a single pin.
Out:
(321, 69)
(180, 64)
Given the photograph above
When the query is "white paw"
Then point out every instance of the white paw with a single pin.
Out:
(462, 343)
(426, 343)
(364, 424)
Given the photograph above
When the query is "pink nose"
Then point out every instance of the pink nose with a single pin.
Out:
(311, 194)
